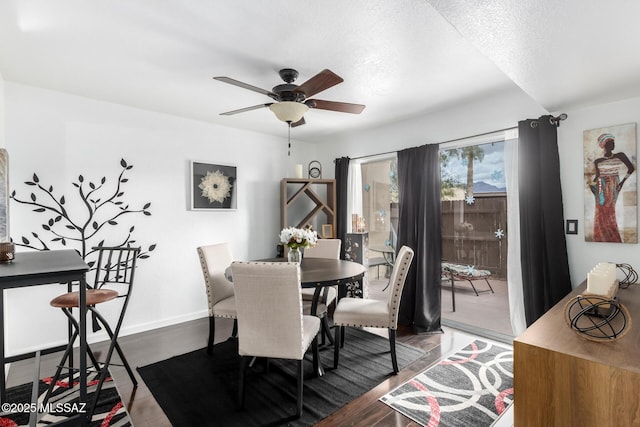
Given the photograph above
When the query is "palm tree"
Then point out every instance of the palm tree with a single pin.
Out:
(468, 154)
(448, 182)
(471, 154)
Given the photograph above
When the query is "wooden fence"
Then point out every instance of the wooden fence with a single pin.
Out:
(470, 232)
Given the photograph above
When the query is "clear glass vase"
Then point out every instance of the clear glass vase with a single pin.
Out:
(294, 255)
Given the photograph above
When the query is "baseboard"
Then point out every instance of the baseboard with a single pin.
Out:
(129, 330)
(144, 327)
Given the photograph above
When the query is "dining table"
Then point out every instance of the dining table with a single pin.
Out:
(36, 269)
(318, 273)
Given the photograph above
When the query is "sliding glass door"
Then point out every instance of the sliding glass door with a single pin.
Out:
(380, 211)
(474, 207)
(475, 236)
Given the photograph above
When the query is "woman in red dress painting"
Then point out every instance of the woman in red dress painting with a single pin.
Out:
(606, 187)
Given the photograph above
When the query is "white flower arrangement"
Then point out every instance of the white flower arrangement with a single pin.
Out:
(215, 186)
(298, 237)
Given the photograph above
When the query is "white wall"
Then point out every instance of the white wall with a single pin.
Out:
(584, 255)
(59, 136)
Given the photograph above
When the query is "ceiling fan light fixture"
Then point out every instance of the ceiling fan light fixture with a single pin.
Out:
(289, 111)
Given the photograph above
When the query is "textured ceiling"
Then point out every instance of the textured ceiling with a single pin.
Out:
(400, 58)
(564, 54)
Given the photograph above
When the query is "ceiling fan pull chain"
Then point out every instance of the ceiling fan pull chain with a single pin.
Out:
(289, 127)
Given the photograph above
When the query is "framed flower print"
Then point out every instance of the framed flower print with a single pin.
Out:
(213, 186)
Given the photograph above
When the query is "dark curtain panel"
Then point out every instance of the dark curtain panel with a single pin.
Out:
(545, 265)
(419, 228)
(342, 189)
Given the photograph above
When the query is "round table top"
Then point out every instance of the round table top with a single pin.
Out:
(319, 271)
(324, 271)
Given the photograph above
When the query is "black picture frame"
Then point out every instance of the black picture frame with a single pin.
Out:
(572, 226)
(213, 186)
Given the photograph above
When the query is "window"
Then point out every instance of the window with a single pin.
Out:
(380, 201)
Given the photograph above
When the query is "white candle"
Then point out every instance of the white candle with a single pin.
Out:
(298, 171)
(597, 283)
(608, 269)
(601, 278)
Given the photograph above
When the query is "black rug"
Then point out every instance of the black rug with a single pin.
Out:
(195, 389)
(63, 404)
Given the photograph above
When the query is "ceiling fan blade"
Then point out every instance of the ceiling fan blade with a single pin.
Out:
(321, 81)
(343, 107)
(298, 123)
(246, 86)
(242, 110)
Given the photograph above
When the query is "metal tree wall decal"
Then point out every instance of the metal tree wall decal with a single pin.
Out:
(103, 208)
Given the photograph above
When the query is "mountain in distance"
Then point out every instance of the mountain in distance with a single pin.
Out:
(483, 187)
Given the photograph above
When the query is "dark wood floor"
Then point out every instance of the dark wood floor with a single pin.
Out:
(160, 344)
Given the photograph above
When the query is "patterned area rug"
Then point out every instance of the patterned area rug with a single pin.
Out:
(471, 388)
(64, 404)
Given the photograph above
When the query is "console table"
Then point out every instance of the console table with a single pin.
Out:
(41, 268)
(561, 379)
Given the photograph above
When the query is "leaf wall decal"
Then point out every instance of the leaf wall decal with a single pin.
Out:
(103, 207)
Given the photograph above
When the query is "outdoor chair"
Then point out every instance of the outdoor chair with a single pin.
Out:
(458, 272)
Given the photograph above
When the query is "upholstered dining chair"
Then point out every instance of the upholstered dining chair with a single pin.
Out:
(214, 260)
(114, 269)
(324, 248)
(270, 319)
(365, 312)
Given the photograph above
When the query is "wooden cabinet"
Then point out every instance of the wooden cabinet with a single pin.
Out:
(311, 197)
(561, 379)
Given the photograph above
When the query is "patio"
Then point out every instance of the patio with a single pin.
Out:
(486, 314)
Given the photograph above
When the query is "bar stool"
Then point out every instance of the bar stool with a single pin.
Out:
(115, 268)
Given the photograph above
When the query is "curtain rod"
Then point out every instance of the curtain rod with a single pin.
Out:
(553, 120)
(443, 142)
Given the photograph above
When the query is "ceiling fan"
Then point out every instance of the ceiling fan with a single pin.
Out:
(292, 101)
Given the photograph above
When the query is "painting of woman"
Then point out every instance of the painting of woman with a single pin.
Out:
(609, 173)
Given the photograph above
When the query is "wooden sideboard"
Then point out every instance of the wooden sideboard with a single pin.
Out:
(562, 379)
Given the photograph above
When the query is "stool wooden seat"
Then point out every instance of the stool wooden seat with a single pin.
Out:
(94, 296)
